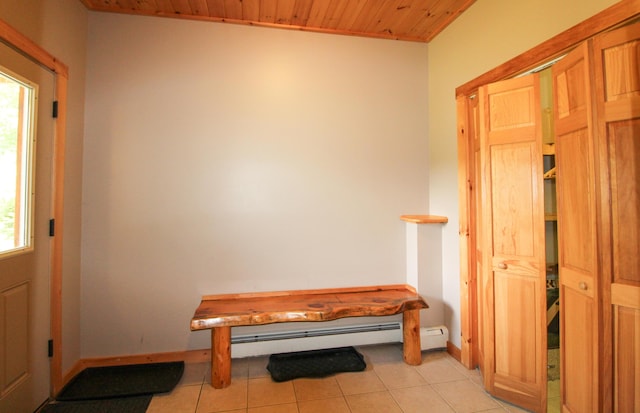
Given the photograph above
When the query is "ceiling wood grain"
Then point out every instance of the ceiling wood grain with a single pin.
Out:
(412, 20)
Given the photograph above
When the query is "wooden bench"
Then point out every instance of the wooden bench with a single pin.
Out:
(221, 312)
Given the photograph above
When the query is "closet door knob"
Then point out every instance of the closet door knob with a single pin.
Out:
(583, 286)
(502, 265)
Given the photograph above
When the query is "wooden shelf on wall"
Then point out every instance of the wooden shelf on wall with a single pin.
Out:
(424, 219)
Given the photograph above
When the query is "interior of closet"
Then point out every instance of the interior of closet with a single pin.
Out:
(551, 242)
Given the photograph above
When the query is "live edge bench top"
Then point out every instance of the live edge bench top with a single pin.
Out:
(219, 313)
(304, 305)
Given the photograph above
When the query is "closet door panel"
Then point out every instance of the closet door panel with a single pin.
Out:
(624, 151)
(617, 74)
(575, 186)
(577, 242)
(581, 363)
(512, 202)
(510, 315)
(513, 274)
(626, 350)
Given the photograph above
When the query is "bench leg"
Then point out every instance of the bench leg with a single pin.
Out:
(220, 357)
(411, 337)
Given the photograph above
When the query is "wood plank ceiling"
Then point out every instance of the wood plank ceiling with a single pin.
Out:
(412, 20)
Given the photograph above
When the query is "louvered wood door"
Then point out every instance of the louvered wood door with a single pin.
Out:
(577, 243)
(617, 75)
(514, 325)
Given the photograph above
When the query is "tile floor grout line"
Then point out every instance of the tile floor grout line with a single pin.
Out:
(248, 382)
(397, 380)
(442, 397)
(203, 381)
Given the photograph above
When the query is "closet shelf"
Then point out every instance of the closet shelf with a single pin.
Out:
(550, 174)
(549, 149)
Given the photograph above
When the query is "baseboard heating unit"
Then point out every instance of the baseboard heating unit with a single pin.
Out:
(318, 332)
(260, 343)
(432, 338)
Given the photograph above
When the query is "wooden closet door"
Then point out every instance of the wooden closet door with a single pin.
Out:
(577, 233)
(514, 325)
(617, 76)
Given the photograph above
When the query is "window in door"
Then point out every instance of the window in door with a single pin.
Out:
(17, 144)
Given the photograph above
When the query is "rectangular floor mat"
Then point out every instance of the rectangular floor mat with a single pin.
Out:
(314, 363)
(122, 381)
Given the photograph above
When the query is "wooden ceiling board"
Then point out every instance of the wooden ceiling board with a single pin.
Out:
(301, 13)
(352, 10)
(199, 7)
(215, 8)
(334, 14)
(317, 13)
(406, 18)
(182, 7)
(268, 11)
(249, 10)
(284, 12)
(235, 9)
(393, 14)
(437, 17)
(412, 20)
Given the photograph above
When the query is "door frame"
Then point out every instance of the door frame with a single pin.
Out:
(28, 48)
(558, 45)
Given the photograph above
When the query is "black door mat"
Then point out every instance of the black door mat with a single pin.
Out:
(314, 363)
(122, 381)
(136, 404)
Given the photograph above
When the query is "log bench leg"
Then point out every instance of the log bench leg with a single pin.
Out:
(220, 357)
(411, 337)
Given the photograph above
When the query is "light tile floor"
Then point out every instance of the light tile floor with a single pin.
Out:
(440, 384)
(553, 397)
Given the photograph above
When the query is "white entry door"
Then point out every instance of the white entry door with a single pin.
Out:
(25, 210)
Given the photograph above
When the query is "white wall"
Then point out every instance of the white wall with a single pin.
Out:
(488, 34)
(223, 158)
(60, 27)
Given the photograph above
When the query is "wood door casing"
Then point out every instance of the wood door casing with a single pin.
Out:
(513, 274)
(476, 233)
(470, 230)
(617, 74)
(468, 343)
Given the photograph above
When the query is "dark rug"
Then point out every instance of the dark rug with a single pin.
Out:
(136, 404)
(122, 381)
(314, 363)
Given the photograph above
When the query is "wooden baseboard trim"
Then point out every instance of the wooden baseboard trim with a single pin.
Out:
(454, 351)
(186, 356)
(70, 374)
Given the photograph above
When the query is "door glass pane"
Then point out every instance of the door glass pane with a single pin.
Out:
(17, 141)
